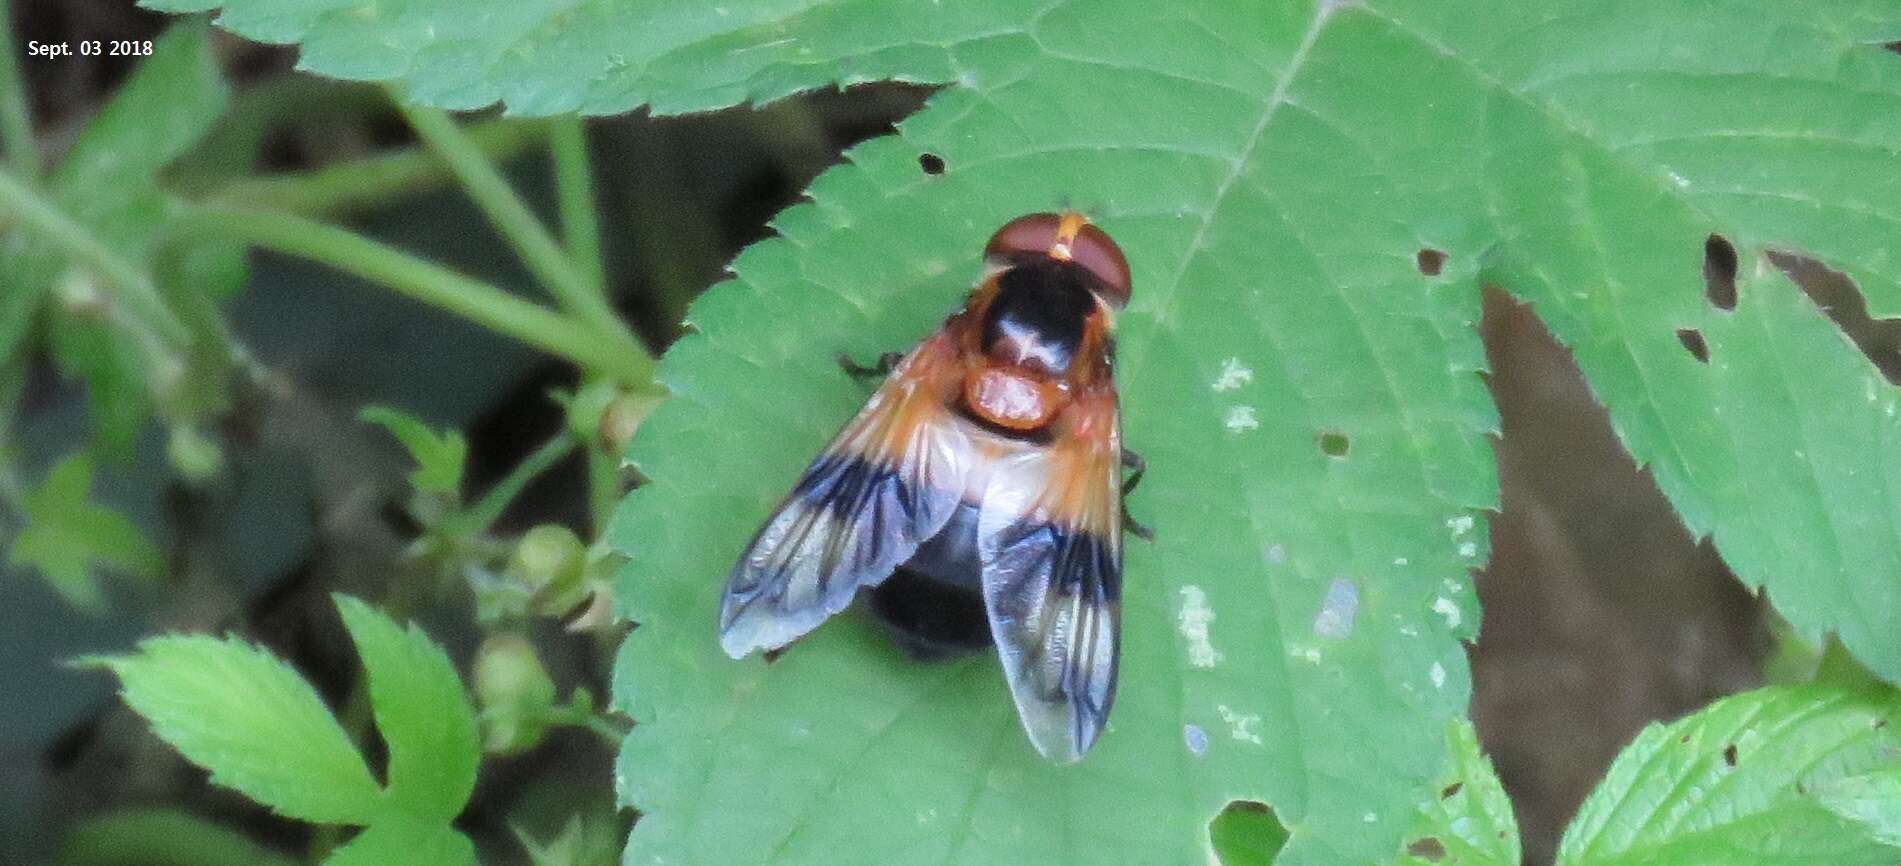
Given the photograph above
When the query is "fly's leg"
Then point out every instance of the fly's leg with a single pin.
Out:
(886, 363)
(1136, 466)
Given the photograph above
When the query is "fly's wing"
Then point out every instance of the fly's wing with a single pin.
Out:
(1049, 535)
(887, 482)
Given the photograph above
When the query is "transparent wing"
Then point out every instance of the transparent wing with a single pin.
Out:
(887, 482)
(1049, 536)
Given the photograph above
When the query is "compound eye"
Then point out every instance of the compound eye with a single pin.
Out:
(1099, 255)
(1026, 236)
(1067, 236)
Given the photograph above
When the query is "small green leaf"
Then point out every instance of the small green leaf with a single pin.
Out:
(439, 457)
(260, 729)
(1738, 782)
(1873, 801)
(67, 537)
(405, 839)
(421, 711)
(113, 367)
(1468, 821)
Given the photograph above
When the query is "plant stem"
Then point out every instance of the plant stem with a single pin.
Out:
(485, 511)
(603, 488)
(424, 281)
(132, 285)
(574, 187)
(511, 216)
(16, 124)
(364, 183)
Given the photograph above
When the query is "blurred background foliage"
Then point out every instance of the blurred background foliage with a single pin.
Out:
(381, 447)
(245, 519)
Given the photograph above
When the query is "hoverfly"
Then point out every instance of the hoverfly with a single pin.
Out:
(986, 472)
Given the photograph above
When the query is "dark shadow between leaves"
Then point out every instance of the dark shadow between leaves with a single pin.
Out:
(1842, 300)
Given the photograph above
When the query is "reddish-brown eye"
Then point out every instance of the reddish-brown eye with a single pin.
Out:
(1070, 237)
(1100, 256)
(1030, 235)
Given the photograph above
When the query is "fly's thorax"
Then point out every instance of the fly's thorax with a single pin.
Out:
(1040, 333)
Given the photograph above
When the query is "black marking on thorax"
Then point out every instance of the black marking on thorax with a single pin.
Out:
(1038, 316)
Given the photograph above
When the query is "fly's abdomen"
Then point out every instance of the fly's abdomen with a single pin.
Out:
(933, 603)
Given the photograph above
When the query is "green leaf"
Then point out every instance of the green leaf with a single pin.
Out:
(67, 536)
(439, 457)
(260, 729)
(1873, 800)
(1468, 821)
(412, 841)
(1286, 167)
(421, 711)
(1738, 782)
(610, 56)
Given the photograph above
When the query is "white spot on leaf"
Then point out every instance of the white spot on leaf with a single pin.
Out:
(1459, 525)
(1233, 375)
(1438, 675)
(1468, 550)
(1241, 419)
(1194, 619)
(1241, 726)
(1449, 609)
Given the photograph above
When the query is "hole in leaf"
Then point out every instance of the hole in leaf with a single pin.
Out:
(1692, 339)
(1801, 788)
(772, 655)
(931, 163)
(1451, 790)
(1894, 46)
(1334, 443)
(1246, 833)
(1729, 754)
(1431, 261)
(1880, 723)
(1842, 300)
(1428, 848)
(1719, 272)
